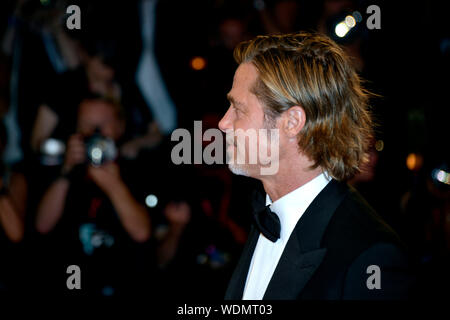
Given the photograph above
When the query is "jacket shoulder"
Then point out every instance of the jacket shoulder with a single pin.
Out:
(355, 238)
(356, 226)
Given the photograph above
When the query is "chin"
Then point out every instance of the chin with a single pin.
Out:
(238, 170)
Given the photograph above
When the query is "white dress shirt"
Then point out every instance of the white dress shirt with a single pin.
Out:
(289, 209)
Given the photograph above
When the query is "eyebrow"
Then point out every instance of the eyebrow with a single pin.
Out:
(233, 100)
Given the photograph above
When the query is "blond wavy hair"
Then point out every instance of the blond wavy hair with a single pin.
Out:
(310, 70)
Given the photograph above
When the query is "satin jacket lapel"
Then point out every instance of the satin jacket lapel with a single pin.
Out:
(235, 289)
(303, 253)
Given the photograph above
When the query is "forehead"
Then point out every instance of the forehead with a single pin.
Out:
(96, 109)
(244, 78)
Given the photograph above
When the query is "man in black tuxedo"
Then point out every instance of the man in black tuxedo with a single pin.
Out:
(316, 238)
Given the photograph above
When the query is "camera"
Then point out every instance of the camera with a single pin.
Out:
(100, 149)
(52, 152)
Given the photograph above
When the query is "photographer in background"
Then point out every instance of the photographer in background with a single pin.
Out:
(13, 199)
(13, 194)
(98, 73)
(89, 210)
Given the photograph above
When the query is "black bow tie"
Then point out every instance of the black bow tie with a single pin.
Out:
(268, 223)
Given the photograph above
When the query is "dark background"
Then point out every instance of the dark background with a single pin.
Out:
(406, 63)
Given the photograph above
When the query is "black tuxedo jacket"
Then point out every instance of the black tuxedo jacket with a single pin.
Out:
(327, 255)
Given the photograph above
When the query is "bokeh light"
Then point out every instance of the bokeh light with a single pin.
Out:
(151, 201)
(379, 145)
(198, 63)
(350, 21)
(341, 29)
(414, 161)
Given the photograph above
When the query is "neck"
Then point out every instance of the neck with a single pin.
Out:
(290, 176)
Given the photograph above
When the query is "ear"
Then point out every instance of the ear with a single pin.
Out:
(293, 120)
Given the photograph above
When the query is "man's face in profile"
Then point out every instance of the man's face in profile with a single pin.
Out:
(245, 115)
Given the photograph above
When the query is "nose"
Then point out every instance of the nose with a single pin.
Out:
(225, 123)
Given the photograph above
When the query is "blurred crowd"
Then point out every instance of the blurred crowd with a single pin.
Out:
(86, 115)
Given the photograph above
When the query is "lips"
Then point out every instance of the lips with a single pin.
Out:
(231, 141)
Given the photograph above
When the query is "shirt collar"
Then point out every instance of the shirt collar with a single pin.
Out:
(290, 207)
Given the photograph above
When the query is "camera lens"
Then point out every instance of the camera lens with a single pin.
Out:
(100, 150)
